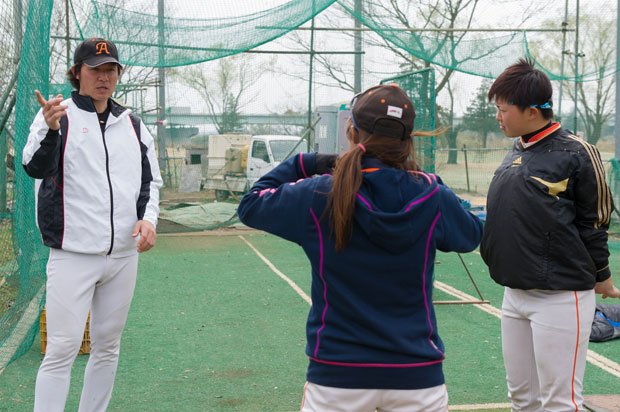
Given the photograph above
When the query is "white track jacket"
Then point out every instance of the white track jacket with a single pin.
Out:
(93, 187)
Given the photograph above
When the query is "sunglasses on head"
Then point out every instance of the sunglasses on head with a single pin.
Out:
(351, 106)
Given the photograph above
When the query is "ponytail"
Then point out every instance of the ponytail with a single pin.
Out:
(346, 182)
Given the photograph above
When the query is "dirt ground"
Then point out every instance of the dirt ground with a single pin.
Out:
(603, 403)
(172, 196)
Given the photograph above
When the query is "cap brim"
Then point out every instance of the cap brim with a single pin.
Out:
(99, 60)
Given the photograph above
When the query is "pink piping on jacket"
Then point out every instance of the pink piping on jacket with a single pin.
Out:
(301, 163)
(377, 365)
(426, 304)
(318, 332)
(422, 199)
(415, 172)
(364, 201)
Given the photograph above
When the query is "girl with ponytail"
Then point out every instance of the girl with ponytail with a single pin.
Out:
(370, 223)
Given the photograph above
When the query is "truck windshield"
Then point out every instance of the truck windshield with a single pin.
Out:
(280, 148)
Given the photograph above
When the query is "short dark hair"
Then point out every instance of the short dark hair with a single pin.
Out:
(71, 77)
(523, 86)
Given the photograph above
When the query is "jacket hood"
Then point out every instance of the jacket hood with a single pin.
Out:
(395, 208)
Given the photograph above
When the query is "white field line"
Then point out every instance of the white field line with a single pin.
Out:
(594, 358)
(479, 406)
(474, 407)
(10, 346)
(491, 310)
(275, 270)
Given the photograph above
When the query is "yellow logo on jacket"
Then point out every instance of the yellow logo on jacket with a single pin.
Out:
(554, 187)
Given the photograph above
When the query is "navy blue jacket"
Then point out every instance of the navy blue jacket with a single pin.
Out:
(372, 322)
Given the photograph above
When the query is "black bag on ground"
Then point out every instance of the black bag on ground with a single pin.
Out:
(606, 324)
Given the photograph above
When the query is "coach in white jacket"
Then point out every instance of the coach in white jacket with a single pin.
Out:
(97, 197)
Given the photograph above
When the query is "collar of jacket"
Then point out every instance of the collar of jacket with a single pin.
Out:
(548, 131)
(86, 103)
(372, 164)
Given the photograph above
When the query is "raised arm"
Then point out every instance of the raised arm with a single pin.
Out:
(41, 154)
(279, 202)
(457, 230)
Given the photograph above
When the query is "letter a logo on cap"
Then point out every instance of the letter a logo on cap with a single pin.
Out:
(102, 47)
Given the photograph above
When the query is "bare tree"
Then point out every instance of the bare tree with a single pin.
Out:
(225, 90)
(400, 26)
(596, 99)
(433, 15)
(440, 43)
(595, 90)
(331, 70)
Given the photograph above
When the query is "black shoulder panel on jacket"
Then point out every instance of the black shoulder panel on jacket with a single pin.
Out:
(147, 176)
(135, 122)
(50, 206)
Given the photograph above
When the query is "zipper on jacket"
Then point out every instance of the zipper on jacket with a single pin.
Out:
(546, 258)
(107, 171)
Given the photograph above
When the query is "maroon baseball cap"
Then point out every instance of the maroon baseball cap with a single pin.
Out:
(384, 110)
(95, 52)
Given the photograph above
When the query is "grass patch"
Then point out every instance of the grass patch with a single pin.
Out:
(7, 263)
(7, 297)
(6, 243)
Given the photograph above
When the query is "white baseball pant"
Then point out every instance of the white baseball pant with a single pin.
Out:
(77, 283)
(545, 337)
(319, 398)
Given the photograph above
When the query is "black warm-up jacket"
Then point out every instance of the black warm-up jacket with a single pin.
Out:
(548, 211)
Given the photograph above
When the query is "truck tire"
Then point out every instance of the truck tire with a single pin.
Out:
(221, 195)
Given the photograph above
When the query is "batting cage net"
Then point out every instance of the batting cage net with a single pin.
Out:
(229, 89)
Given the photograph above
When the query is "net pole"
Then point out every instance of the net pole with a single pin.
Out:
(161, 104)
(67, 35)
(310, 80)
(357, 69)
(576, 64)
(564, 27)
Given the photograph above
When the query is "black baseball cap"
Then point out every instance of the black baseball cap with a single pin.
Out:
(385, 110)
(95, 52)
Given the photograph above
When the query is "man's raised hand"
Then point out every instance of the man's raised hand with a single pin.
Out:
(52, 110)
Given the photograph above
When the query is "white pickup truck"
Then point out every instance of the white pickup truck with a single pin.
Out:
(235, 161)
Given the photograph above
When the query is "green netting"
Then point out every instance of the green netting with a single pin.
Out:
(420, 87)
(244, 67)
(481, 53)
(167, 42)
(25, 256)
(155, 41)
